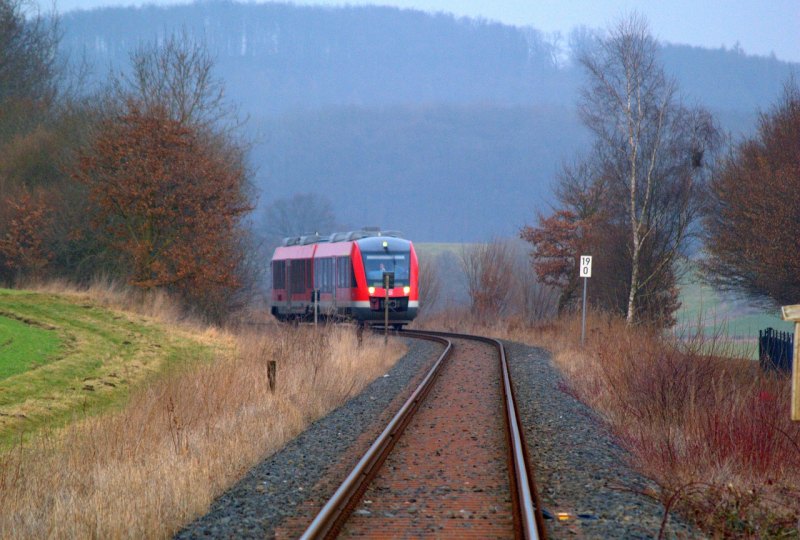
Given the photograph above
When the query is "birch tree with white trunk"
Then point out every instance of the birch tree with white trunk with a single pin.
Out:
(649, 146)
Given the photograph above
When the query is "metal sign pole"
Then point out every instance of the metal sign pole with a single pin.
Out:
(585, 271)
(386, 318)
(315, 292)
(388, 283)
(583, 315)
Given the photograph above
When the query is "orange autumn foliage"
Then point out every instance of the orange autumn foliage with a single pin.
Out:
(23, 248)
(168, 198)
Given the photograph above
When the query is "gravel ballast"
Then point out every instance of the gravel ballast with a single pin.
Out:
(580, 471)
(579, 468)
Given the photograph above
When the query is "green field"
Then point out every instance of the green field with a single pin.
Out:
(734, 319)
(63, 357)
(24, 346)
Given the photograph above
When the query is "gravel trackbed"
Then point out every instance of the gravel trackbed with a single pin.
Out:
(580, 471)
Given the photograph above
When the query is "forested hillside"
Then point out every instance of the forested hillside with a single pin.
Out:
(369, 106)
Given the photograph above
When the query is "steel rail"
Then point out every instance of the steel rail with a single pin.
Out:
(527, 498)
(335, 512)
(525, 489)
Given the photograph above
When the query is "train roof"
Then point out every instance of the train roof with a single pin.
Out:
(369, 238)
(349, 236)
(294, 252)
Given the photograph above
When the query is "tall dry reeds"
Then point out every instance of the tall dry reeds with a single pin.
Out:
(114, 294)
(713, 431)
(147, 469)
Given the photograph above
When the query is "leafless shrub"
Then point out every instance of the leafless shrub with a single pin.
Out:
(535, 300)
(430, 284)
(711, 430)
(489, 269)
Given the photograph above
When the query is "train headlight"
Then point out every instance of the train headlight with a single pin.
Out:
(371, 290)
(406, 290)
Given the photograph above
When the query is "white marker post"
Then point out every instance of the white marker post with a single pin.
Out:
(585, 273)
(792, 313)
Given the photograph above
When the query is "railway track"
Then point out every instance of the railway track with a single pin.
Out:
(451, 462)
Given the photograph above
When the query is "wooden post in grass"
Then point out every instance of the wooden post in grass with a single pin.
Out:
(792, 313)
(272, 374)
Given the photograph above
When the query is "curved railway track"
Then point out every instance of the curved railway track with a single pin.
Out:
(446, 464)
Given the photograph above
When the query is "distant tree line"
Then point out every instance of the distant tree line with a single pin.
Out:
(301, 57)
(284, 57)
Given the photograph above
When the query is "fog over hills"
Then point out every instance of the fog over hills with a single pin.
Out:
(447, 129)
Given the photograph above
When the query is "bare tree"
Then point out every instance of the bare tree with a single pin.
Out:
(650, 149)
(531, 299)
(753, 218)
(489, 269)
(430, 284)
(28, 47)
(178, 75)
(302, 213)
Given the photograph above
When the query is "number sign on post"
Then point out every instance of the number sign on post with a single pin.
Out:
(585, 272)
(586, 266)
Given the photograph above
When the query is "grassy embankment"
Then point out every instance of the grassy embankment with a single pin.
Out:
(176, 413)
(24, 347)
(62, 358)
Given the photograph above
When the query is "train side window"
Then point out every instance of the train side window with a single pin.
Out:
(328, 281)
(278, 274)
(340, 273)
(345, 278)
(323, 274)
(300, 272)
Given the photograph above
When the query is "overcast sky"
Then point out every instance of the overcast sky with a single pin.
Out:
(758, 26)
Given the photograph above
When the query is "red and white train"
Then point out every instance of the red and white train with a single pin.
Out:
(348, 271)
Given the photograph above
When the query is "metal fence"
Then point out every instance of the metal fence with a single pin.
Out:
(775, 349)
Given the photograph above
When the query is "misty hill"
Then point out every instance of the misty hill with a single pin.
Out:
(286, 57)
(447, 129)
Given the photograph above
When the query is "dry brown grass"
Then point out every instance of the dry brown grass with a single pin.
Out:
(713, 431)
(113, 294)
(146, 470)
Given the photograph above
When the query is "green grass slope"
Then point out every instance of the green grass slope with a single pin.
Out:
(715, 312)
(24, 346)
(63, 357)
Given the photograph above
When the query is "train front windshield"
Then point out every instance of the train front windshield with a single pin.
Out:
(375, 264)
